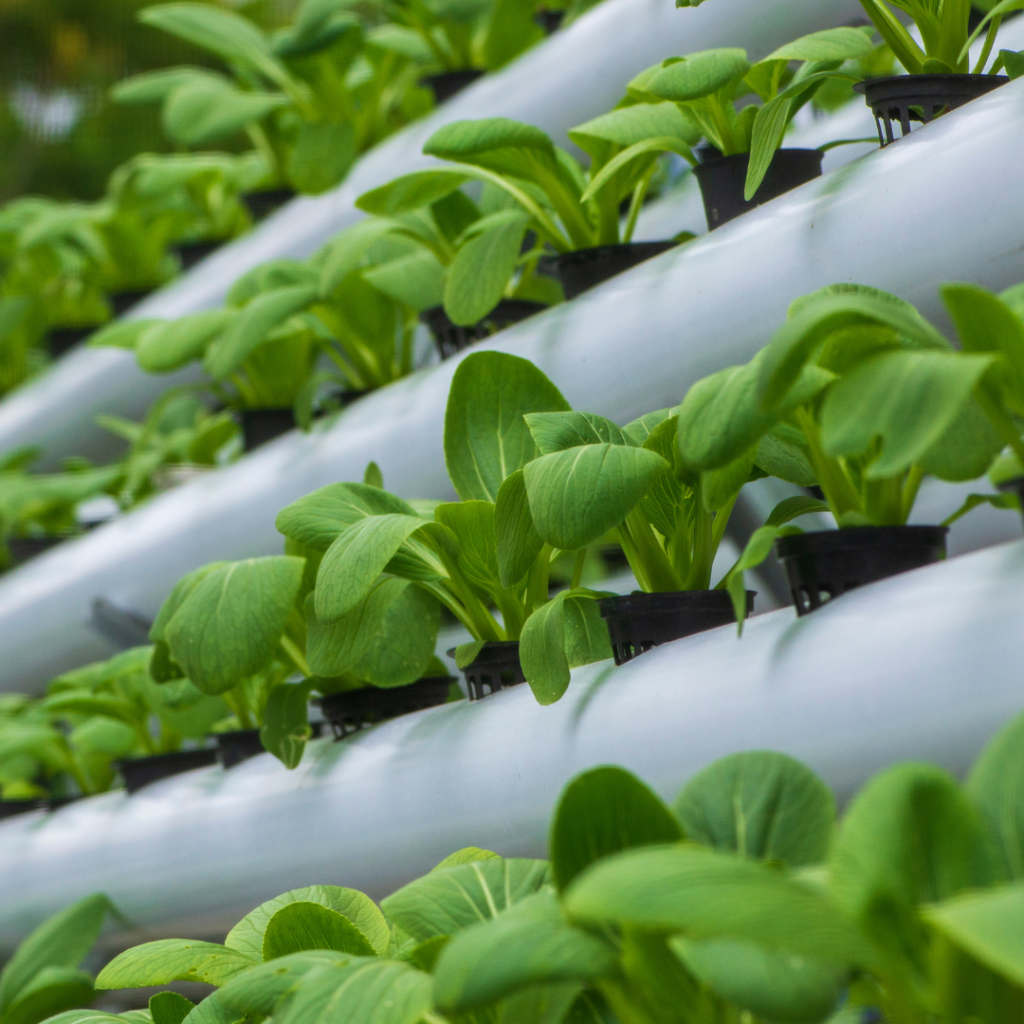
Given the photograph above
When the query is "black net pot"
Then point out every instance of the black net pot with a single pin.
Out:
(722, 180)
(637, 622)
(123, 301)
(905, 98)
(448, 83)
(354, 710)
(583, 269)
(60, 339)
(262, 425)
(550, 21)
(265, 202)
(496, 666)
(141, 771)
(238, 746)
(824, 564)
(451, 338)
(11, 808)
(22, 549)
(191, 253)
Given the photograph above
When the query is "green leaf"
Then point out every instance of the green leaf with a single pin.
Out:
(62, 940)
(169, 1008)
(496, 143)
(230, 625)
(285, 728)
(51, 991)
(467, 855)
(816, 317)
(203, 113)
(529, 944)
(485, 436)
(258, 990)
(762, 805)
(302, 926)
(663, 503)
(167, 960)
(359, 992)
(966, 449)
(124, 334)
(907, 399)
(578, 495)
(411, 192)
(707, 894)
(995, 788)
(699, 74)
(986, 925)
(829, 44)
(772, 985)
(601, 812)
(556, 431)
(359, 555)
(446, 901)
(910, 837)
(252, 327)
(626, 126)
(517, 542)
(247, 936)
(156, 86)
(483, 266)
(345, 253)
(321, 156)
(784, 455)
(182, 589)
(416, 280)
(172, 345)
(472, 522)
(317, 519)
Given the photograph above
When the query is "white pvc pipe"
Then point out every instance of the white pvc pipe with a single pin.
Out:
(570, 78)
(941, 205)
(923, 666)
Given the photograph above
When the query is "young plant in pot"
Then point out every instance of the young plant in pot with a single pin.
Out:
(148, 723)
(742, 163)
(544, 190)
(479, 557)
(39, 510)
(858, 387)
(940, 76)
(592, 477)
(464, 266)
(310, 97)
(237, 632)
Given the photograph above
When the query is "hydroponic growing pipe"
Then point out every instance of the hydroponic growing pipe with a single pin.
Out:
(922, 666)
(573, 76)
(941, 205)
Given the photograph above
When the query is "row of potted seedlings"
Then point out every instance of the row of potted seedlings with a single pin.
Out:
(856, 396)
(310, 97)
(747, 898)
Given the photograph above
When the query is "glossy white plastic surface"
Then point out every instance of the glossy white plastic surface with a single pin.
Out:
(571, 77)
(629, 346)
(921, 666)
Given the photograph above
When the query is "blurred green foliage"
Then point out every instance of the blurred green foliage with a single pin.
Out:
(60, 135)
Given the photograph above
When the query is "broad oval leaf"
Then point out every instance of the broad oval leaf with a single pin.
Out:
(759, 804)
(996, 787)
(411, 192)
(176, 343)
(556, 431)
(496, 143)
(516, 540)
(601, 812)
(202, 113)
(285, 729)
(258, 990)
(529, 944)
(167, 960)
(485, 436)
(303, 926)
(247, 936)
(230, 625)
(829, 44)
(699, 75)
(448, 900)
(578, 495)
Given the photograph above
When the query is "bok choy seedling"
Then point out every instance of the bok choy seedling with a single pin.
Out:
(856, 393)
(713, 92)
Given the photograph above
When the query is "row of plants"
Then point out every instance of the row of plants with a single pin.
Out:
(309, 98)
(746, 900)
(856, 395)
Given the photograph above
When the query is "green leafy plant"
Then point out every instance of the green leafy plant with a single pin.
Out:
(470, 256)
(43, 977)
(712, 92)
(310, 97)
(745, 900)
(860, 395)
(470, 556)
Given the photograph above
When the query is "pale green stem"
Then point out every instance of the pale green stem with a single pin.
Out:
(986, 50)
(1003, 424)
(636, 202)
(839, 491)
(297, 657)
(577, 568)
(660, 574)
